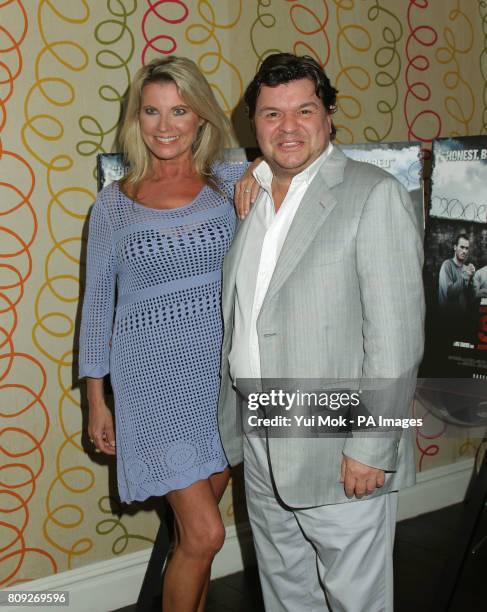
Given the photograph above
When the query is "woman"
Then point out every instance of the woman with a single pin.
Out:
(159, 237)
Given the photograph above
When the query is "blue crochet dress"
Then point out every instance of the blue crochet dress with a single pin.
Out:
(159, 271)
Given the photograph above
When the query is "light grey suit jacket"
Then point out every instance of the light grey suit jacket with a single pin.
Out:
(345, 301)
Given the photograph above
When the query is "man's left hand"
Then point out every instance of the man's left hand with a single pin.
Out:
(360, 479)
(246, 190)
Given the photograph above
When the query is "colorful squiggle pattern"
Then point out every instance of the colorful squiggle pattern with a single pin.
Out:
(11, 42)
(52, 334)
(163, 11)
(25, 420)
(109, 32)
(23, 414)
(458, 40)
(300, 14)
(213, 63)
(352, 77)
(388, 62)
(427, 444)
(112, 509)
(418, 93)
(267, 20)
(483, 64)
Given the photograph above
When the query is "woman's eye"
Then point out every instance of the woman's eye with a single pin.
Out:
(179, 111)
(150, 110)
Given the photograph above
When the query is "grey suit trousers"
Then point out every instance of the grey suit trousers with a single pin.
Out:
(336, 557)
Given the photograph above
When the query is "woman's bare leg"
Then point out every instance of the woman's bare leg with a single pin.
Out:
(200, 537)
(218, 483)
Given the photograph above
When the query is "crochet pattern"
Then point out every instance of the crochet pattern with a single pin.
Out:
(162, 268)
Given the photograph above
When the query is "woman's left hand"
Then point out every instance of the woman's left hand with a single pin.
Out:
(246, 190)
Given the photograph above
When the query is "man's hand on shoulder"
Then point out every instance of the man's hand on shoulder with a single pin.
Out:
(360, 479)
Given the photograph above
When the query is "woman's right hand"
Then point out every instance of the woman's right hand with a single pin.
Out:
(100, 420)
(100, 429)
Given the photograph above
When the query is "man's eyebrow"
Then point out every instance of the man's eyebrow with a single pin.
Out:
(265, 108)
(303, 105)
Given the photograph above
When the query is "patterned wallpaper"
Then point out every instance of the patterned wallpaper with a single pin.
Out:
(408, 69)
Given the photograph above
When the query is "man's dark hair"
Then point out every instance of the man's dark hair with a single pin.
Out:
(462, 235)
(280, 68)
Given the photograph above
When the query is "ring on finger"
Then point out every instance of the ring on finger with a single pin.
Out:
(247, 190)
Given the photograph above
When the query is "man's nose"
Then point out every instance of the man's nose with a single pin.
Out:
(288, 123)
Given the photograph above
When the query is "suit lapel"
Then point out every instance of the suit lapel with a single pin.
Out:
(230, 266)
(316, 205)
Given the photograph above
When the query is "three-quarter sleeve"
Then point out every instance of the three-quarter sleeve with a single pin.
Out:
(99, 299)
(228, 173)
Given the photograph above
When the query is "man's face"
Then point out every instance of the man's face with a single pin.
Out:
(461, 249)
(292, 126)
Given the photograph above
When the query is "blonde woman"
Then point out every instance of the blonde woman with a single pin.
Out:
(151, 313)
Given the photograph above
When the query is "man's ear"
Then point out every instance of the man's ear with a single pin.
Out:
(329, 122)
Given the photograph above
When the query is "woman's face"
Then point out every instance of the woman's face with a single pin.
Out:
(167, 124)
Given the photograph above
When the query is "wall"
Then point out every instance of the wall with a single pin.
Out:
(409, 69)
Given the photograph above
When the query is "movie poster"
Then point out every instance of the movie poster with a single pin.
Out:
(401, 159)
(455, 272)
(109, 168)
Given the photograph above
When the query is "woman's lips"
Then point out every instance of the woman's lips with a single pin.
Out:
(166, 139)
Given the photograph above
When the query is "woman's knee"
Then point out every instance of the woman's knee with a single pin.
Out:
(206, 539)
(217, 538)
(200, 527)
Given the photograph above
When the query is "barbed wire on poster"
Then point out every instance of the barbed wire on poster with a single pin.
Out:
(455, 209)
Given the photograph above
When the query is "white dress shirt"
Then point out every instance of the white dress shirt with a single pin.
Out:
(265, 236)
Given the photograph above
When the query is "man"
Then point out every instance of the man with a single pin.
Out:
(480, 282)
(455, 281)
(323, 280)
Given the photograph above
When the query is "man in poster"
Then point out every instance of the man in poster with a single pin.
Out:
(480, 283)
(456, 281)
(311, 290)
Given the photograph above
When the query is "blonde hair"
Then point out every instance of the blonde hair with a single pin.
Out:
(212, 136)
